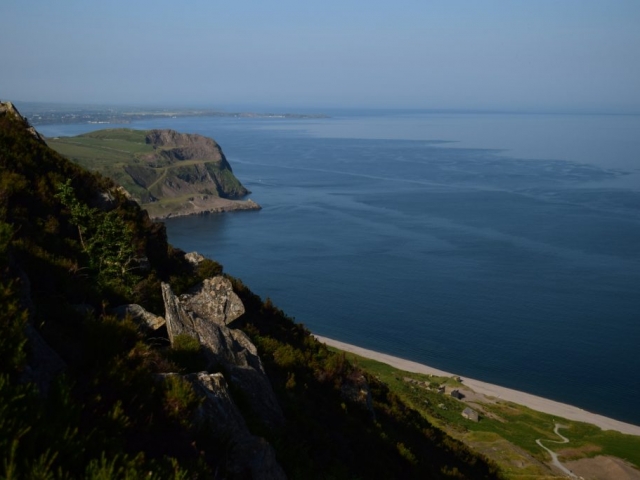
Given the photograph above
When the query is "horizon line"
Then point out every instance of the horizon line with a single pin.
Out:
(258, 108)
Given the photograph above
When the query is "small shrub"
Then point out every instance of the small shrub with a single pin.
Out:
(291, 381)
(180, 400)
(186, 352)
(209, 268)
(406, 453)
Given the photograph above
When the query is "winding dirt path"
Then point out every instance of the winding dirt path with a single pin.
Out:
(554, 455)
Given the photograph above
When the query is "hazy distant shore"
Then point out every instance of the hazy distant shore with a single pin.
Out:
(502, 393)
(50, 114)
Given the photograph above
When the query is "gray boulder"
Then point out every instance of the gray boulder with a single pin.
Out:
(139, 315)
(225, 349)
(214, 299)
(194, 258)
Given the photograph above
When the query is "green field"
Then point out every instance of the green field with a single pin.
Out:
(108, 152)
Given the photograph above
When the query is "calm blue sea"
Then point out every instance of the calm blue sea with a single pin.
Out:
(501, 247)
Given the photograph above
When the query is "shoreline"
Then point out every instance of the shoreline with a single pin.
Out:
(534, 402)
(199, 206)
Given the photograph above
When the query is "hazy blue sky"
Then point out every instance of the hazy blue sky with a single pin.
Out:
(551, 55)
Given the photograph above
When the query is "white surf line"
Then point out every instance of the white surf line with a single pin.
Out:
(554, 455)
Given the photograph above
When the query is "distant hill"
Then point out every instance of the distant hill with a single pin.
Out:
(168, 173)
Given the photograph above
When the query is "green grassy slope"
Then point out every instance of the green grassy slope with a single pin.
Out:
(506, 432)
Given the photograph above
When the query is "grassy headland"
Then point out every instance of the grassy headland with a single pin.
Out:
(168, 173)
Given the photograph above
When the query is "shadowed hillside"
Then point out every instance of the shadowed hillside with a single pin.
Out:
(122, 357)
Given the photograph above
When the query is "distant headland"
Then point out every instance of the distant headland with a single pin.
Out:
(169, 173)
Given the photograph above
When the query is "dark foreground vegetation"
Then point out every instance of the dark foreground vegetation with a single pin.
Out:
(89, 405)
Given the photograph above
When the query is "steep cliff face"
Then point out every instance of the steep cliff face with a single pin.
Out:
(211, 167)
(183, 146)
(169, 173)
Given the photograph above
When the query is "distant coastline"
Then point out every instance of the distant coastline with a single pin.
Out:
(43, 114)
(507, 394)
(202, 205)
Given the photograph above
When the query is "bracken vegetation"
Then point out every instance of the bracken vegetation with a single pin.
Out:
(72, 248)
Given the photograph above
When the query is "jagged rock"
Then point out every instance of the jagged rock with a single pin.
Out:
(194, 258)
(139, 315)
(8, 108)
(215, 300)
(179, 321)
(356, 389)
(225, 348)
(104, 201)
(251, 205)
(175, 146)
(248, 456)
(124, 193)
(218, 406)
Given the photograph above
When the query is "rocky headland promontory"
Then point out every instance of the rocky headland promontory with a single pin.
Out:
(169, 173)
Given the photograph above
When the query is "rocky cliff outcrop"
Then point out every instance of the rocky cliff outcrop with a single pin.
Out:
(355, 389)
(248, 456)
(175, 147)
(8, 108)
(204, 314)
(214, 299)
(199, 205)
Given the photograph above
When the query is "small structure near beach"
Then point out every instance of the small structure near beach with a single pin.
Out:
(470, 414)
(456, 394)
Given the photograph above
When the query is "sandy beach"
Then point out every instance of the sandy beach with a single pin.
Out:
(501, 393)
